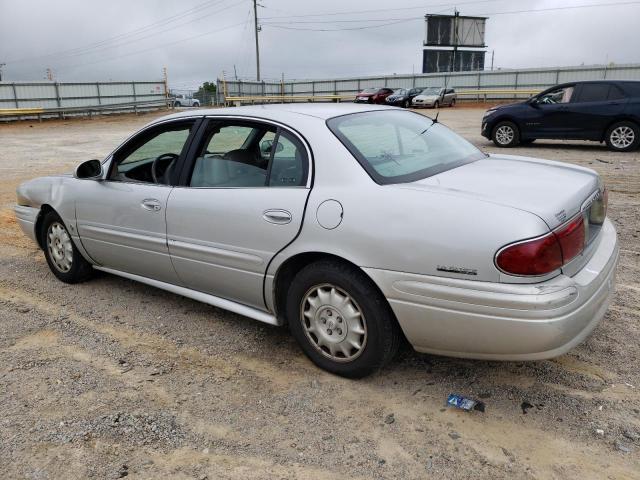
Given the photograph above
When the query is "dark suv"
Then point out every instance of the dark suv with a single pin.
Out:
(603, 111)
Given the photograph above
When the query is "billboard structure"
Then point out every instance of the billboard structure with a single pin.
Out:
(453, 43)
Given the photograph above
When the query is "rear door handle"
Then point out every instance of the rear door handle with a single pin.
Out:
(151, 204)
(277, 216)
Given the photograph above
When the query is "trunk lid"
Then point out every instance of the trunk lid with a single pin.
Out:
(553, 191)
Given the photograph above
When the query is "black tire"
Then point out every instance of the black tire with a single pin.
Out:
(177, 104)
(79, 269)
(380, 337)
(453, 103)
(500, 135)
(196, 104)
(623, 136)
(406, 104)
(436, 104)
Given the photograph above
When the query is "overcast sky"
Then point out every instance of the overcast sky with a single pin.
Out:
(90, 40)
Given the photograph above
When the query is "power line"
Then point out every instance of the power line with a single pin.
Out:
(404, 20)
(104, 60)
(354, 12)
(407, 19)
(131, 33)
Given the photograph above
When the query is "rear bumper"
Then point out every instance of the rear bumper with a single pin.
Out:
(27, 217)
(497, 321)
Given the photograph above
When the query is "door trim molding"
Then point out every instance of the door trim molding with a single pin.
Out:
(223, 303)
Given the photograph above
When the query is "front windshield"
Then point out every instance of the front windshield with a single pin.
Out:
(431, 91)
(400, 146)
(398, 91)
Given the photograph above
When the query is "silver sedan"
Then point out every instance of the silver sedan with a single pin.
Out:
(354, 225)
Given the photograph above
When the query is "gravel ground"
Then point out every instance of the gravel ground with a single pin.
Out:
(112, 379)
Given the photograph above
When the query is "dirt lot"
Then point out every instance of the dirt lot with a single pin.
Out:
(111, 378)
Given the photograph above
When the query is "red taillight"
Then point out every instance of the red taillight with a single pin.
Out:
(534, 257)
(571, 238)
(545, 254)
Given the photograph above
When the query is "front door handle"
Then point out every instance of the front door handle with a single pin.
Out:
(151, 204)
(277, 216)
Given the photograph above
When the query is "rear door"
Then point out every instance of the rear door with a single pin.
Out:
(241, 200)
(595, 107)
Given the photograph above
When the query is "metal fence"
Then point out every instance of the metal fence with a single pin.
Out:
(53, 98)
(524, 79)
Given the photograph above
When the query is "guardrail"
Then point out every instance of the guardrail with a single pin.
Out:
(483, 93)
(62, 112)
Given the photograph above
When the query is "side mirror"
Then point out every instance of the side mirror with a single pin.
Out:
(89, 170)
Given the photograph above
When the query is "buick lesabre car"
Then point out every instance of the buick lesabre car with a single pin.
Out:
(354, 225)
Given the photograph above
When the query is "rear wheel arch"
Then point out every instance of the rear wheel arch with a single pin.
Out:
(618, 120)
(290, 267)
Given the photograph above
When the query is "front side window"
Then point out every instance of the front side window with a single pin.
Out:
(559, 95)
(152, 155)
(398, 147)
(249, 155)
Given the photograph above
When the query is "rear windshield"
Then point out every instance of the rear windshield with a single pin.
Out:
(370, 90)
(400, 146)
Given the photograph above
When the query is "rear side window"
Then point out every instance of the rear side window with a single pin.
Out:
(615, 93)
(249, 155)
(594, 92)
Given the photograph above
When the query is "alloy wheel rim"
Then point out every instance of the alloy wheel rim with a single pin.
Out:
(504, 134)
(622, 137)
(60, 247)
(333, 322)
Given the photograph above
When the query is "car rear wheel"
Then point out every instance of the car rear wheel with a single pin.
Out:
(340, 319)
(505, 134)
(623, 136)
(177, 104)
(453, 102)
(63, 258)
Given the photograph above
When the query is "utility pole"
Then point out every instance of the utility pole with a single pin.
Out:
(492, 54)
(456, 40)
(1, 65)
(257, 29)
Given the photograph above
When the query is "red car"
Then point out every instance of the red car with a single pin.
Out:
(373, 95)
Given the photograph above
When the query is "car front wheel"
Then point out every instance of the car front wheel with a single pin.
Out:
(436, 104)
(407, 104)
(623, 136)
(341, 320)
(505, 134)
(63, 258)
(453, 103)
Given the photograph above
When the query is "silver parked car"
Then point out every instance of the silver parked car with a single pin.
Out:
(355, 225)
(435, 97)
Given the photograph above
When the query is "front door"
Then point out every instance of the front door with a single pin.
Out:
(242, 201)
(121, 220)
(550, 115)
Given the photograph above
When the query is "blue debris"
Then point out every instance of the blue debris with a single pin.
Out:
(464, 403)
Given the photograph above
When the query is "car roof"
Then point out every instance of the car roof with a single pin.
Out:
(283, 111)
